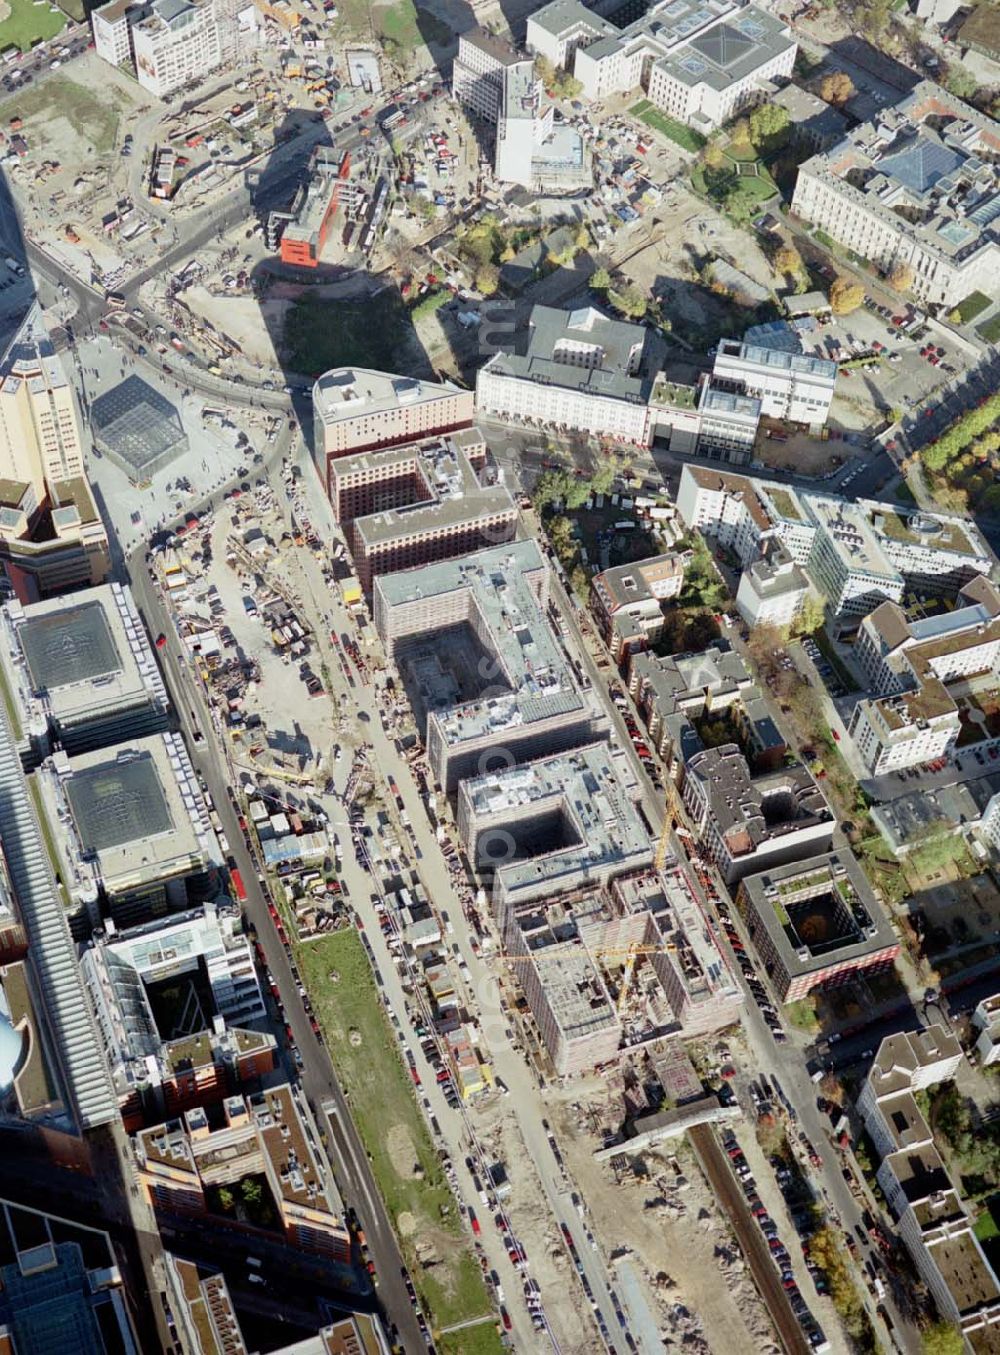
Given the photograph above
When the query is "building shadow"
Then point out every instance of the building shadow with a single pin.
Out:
(323, 210)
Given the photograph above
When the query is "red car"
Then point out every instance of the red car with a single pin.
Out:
(161, 641)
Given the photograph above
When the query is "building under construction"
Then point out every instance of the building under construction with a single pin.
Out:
(300, 233)
(608, 969)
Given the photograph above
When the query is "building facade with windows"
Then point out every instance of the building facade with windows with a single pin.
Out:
(701, 61)
(916, 189)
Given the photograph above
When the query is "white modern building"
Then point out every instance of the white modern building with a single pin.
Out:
(790, 386)
(772, 589)
(918, 186)
(171, 42)
(856, 554)
(701, 61)
(577, 371)
(921, 673)
(497, 86)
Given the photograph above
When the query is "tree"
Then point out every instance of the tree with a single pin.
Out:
(630, 301)
(811, 616)
(845, 296)
(250, 1190)
(788, 260)
(226, 1200)
(872, 18)
(600, 280)
(960, 82)
(488, 279)
(943, 1338)
(901, 276)
(713, 156)
(836, 88)
(769, 126)
(560, 531)
(740, 135)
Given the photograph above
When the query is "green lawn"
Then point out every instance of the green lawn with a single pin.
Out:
(481, 1340)
(392, 1128)
(28, 24)
(324, 334)
(991, 330)
(93, 114)
(403, 23)
(986, 1226)
(973, 305)
(685, 137)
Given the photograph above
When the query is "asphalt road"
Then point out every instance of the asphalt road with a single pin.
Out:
(317, 1076)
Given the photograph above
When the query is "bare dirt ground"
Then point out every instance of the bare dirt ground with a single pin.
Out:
(801, 453)
(667, 1227)
(565, 1304)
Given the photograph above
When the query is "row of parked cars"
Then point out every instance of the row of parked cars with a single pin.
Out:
(757, 990)
(636, 735)
(779, 1252)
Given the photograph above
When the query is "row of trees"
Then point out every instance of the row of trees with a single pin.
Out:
(962, 434)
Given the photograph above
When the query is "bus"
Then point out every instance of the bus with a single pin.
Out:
(239, 889)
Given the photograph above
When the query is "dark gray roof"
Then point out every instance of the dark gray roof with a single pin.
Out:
(136, 423)
(118, 801)
(68, 646)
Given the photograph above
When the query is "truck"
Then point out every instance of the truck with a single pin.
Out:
(239, 889)
(14, 266)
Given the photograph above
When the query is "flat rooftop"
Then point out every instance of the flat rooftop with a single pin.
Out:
(928, 166)
(135, 811)
(600, 812)
(730, 51)
(575, 991)
(357, 392)
(452, 494)
(78, 658)
(550, 353)
(849, 529)
(502, 607)
(819, 911)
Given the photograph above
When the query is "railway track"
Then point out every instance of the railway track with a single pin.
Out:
(715, 1165)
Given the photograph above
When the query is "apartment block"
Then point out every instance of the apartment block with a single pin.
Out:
(358, 410)
(986, 1028)
(670, 691)
(701, 61)
(180, 1165)
(747, 824)
(930, 1214)
(627, 601)
(924, 675)
(488, 682)
(409, 506)
(477, 76)
(855, 554)
(546, 828)
(915, 187)
(772, 589)
(816, 924)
